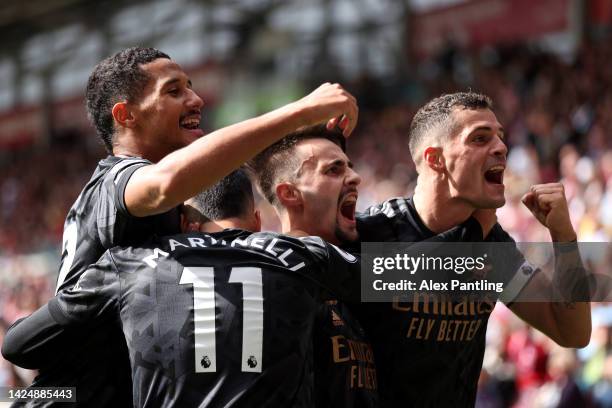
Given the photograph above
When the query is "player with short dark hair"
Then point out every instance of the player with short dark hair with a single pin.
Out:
(435, 119)
(115, 79)
(306, 176)
(309, 180)
(431, 354)
(232, 197)
(279, 160)
(144, 109)
(217, 318)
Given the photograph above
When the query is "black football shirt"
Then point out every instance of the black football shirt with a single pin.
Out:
(225, 319)
(427, 354)
(345, 369)
(99, 220)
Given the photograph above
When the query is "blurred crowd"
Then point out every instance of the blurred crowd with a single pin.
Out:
(557, 113)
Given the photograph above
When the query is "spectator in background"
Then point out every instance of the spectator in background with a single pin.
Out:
(602, 391)
(562, 391)
(571, 97)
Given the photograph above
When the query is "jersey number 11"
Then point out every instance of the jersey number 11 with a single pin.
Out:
(203, 281)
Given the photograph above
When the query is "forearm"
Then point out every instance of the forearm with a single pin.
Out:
(573, 321)
(571, 293)
(570, 283)
(35, 341)
(562, 312)
(567, 325)
(187, 171)
(212, 157)
(184, 173)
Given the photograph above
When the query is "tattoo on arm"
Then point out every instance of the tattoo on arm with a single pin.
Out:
(571, 280)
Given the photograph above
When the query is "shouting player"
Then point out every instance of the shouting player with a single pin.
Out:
(310, 182)
(458, 148)
(215, 318)
(145, 111)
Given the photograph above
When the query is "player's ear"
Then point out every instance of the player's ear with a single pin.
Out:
(123, 115)
(288, 195)
(432, 158)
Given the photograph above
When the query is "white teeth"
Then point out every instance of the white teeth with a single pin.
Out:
(191, 122)
(497, 168)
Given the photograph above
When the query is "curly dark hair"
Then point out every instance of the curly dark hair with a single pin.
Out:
(279, 162)
(117, 78)
(436, 114)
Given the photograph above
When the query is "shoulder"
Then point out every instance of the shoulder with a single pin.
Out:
(388, 221)
(322, 248)
(390, 208)
(127, 258)
(115, 166)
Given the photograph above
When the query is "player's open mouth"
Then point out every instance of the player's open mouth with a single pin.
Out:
(347, 207)
(495, 175)
(190, 123)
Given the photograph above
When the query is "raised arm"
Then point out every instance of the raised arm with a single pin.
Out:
(563, 319)
(182, 174)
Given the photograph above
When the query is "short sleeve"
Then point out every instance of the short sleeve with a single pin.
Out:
(112, 215)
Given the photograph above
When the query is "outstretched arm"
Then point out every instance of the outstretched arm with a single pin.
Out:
(184, 173)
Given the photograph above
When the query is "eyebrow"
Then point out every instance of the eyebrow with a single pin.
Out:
(502, 132)
(173, 81)
(340, 162)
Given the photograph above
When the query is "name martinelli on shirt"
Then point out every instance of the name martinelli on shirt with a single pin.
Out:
(481, 285)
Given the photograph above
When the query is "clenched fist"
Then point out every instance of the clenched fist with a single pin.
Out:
(332, 104)
(548, 204)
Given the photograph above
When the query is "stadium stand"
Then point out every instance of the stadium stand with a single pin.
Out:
(558, 115)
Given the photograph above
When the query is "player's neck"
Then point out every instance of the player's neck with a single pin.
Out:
(293, 225)
(286, 225)
(126, 145)
(438, 211)
(220, 225)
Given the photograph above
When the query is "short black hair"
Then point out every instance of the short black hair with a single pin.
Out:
(279, 161)
(437, 114)
(117, 78)
(229, 198)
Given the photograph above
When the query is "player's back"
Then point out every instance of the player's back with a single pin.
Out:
(97, 221)
(220, 320)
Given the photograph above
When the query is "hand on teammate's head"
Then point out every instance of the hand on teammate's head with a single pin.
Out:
(333, 104)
